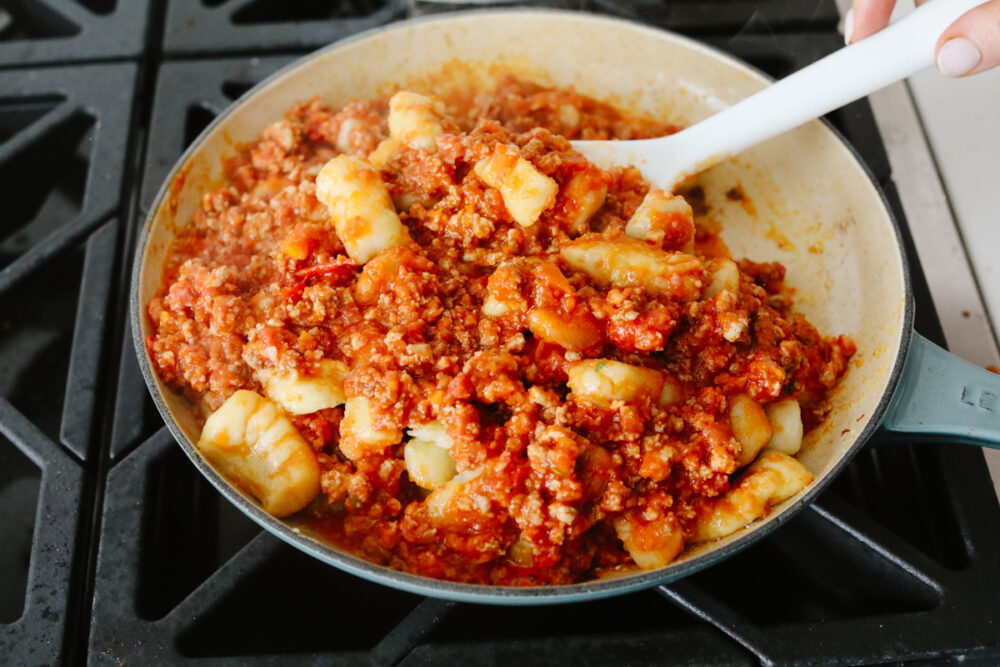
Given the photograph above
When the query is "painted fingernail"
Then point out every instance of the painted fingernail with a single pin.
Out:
(848, 25)
(958, 56)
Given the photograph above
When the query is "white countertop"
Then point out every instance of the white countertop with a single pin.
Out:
(943, 140)
(962, 125)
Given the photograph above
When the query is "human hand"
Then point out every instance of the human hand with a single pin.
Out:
(969, 46)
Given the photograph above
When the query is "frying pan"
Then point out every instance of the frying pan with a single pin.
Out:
(811, 205)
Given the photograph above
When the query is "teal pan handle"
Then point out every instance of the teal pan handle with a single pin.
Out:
(939, 395)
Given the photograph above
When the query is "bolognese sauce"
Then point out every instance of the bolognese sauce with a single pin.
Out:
(455, 347)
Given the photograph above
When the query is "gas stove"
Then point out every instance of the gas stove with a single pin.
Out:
(116, 550)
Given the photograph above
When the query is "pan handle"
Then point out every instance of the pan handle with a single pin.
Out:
(941, 395)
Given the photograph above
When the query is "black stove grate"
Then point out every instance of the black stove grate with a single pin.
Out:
(132, 557)
(47, 31)
(259, 26)
(41, 506)
(64, 134)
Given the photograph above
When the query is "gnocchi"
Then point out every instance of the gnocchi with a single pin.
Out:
(343, 141)
(434, 432)
(771, 479)
(725, 275)
(428, 465)
(381, 269)
(750, 427)
(628, 262)
(584, 195)
(380, 156)
(300, 395)
(672, 392)
(360, 206)
(520, 554)
(254, 445)
(504, 291)
(415, 120)
(359, 436)
(785, 417)
(526, 192)
(576, 331)
(494, 307)
(457, 497)
(651, 544)
(663, 219)
(604, 380)
(427, 458)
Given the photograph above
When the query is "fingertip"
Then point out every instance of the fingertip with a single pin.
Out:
(869, 16)
(972, 43)
(958, 57)
(848, 25)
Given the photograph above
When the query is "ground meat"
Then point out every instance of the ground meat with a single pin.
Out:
(260, 281)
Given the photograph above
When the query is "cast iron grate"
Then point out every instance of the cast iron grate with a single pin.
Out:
(890, 565)
(63, 133)
(51, 345)
(42, 501)
(832, 573)
(245, 26)
(48, 31)
(79, 117)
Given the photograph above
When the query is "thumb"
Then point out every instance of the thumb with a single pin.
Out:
(972, 43)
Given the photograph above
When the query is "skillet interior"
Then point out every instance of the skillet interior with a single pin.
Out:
(814, 208)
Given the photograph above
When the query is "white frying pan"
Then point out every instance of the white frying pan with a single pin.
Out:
(817, 211)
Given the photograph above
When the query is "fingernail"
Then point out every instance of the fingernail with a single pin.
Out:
(848, 25)
(958, 56)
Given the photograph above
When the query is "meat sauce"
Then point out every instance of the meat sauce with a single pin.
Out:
(259, 279)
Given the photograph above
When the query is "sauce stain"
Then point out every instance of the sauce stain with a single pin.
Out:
(175, 190)
(695, 197)
(780, 239)
(738, 194)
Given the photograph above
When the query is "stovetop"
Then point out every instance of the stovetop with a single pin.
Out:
(115, 550)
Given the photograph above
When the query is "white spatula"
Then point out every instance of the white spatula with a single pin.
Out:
(902, 49)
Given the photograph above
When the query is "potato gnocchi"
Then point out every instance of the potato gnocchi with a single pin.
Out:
(526, 192)
(665, 220)
(300, 394)
(362, 211)
(416, 120)
(769, 480)
(253, 444)
(627, 262)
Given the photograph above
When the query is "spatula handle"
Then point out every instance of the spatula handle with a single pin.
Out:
(900, 50)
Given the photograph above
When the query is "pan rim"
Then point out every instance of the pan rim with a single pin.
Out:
(478, 593)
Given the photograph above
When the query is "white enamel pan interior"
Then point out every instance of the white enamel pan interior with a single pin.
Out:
(813, 207)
